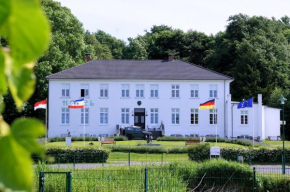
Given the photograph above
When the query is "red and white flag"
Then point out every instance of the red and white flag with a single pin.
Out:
(77, 104)
(40, 105)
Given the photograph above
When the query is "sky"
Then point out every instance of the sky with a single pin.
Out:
(130, 18)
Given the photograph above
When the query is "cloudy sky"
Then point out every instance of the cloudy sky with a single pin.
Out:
(129, 18)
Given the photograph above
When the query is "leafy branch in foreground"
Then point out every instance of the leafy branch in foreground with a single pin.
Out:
(26, 29)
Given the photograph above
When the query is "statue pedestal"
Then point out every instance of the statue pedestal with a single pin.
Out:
(68, 141)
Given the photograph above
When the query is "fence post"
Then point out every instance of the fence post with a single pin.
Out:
(41, 181)
(146, 180)
(68, 182)
(129, 159)
(254, 179)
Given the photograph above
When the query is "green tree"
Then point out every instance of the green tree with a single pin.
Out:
(136, 49)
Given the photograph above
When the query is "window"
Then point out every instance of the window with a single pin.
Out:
(194, 91)
(213, 91)
(194, 116)
(175, 116)
(84, 90)
(104, 116)
(153, 90)
(213, 116)
(175, 91)
(125, 90)
(139, 90)
(154, 116)
(104, 90)
(244, 117)
(125, 116)
(86, 116)
(65, 116)
(65, 90)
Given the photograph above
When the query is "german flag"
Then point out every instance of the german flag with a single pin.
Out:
(207, 105)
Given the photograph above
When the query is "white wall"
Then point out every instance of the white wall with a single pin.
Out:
(114, 103)
(272, 121)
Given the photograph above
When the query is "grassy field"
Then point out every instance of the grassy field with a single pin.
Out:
(277, 143)
(165, 144)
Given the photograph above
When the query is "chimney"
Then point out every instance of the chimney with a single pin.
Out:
(170, 57)
(88, 56)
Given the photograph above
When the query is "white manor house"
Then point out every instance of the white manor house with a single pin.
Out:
(146, 93)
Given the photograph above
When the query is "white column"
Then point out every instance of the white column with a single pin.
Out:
(259, 117)
(228, 123)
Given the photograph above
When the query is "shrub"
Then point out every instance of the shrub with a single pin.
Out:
(77, 155)
(199, 152)
(138, 149)
(57, 139)
(176, 138)
(178, 150)
(120, 138)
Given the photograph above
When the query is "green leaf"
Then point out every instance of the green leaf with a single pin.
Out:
(4, 128)
(15, 165)
(3, 86)
(4, 10)
(26, 131)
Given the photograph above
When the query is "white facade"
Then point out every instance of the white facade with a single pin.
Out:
(105, 111)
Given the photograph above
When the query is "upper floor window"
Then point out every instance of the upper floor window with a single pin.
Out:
(213, 91)
(175, 91)
(194, 116)
(65, 90)
(139, 90)
(213, 116)
(154, 116)
(125, 90)
(125, 116)
(84, 90)
(104, 90)
(65, 116)
(194, 91)
(85, 116)
(244, 117)
(104, 116)
(175, 117)
(153, 90)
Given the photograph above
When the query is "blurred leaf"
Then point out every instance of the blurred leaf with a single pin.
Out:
(4, 127)
(15, 165)
(4, 10)
(3, 86)
(26, 132)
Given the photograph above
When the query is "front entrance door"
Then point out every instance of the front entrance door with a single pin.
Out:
(139, 117)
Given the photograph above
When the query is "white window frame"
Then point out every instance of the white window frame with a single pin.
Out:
(87, 116)
(194, 116)
(154, 91)
(86, 87)
(140, 91)
(104, 116)
(213, 91)
(125, 112)
(126, 90)
(154, 116)
(175, 91)
(65, 90)
(104, 90)
(213, 113)
(244, 117)
(175, 116)
(194, 93)
(66, 113)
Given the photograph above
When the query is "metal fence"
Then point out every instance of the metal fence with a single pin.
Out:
(133, 179)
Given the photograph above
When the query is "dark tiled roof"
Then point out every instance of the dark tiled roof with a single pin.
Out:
(139, 69)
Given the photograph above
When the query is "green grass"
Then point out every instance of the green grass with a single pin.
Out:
(165, 144)
(277, 143)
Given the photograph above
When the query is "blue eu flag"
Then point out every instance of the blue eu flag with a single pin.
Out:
(246, 103)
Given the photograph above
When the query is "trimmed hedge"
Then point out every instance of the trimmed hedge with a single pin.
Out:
(119, 138)
(201, 153)
(77, 155)
(209, 139)
(138, 149)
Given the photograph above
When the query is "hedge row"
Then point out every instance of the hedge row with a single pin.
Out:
(209, 139)
(77, 155)
(146, 149)
(60, 139)
(201, 152)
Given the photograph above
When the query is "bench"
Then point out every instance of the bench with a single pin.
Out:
(192, 142)
(274, 138)
(108, 141)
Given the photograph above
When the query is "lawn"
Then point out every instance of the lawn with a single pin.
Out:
(276, 143)
(165, 144)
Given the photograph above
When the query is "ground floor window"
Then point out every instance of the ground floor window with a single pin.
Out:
(213, 116)
(125, 116)
(175, 116)
(244, 117)
(194, 116)
(65, 116)
(154, 116)
(85, 112)
(104, 116)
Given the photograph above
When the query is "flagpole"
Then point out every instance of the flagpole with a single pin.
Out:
(253, 122)
(46, 122)
(84, 126)
(215, 119)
